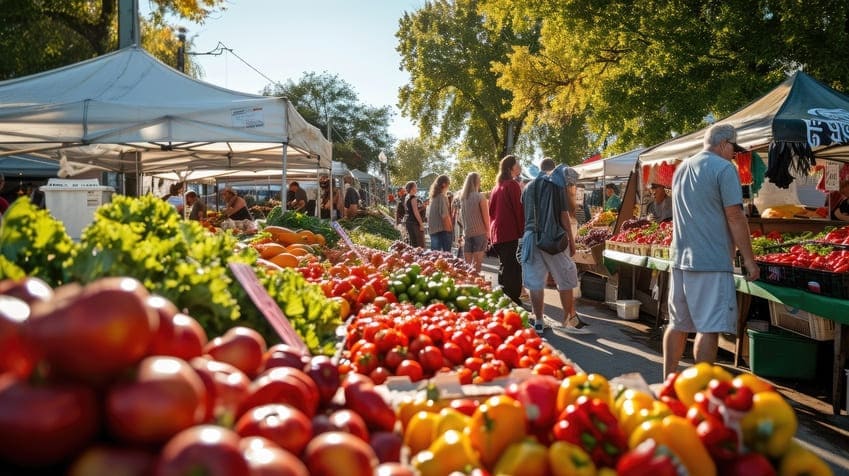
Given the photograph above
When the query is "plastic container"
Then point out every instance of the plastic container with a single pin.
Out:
(73, 202)
(782, 354)
(628, 309)
(611, 293)
(801, 322)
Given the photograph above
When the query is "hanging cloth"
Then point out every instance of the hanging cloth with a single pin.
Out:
(758, 172)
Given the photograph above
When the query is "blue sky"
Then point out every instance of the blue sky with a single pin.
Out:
(354, 39)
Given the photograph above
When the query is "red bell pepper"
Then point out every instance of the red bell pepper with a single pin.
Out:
(647, 459)
(590, 424)
(721, 441)
(734, 398)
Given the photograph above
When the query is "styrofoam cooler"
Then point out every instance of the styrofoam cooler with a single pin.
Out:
(74, 201)
(628, 309)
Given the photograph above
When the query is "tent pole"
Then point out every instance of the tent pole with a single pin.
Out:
(283, 184)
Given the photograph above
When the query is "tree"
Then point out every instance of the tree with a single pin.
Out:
(640, 71)
(452, 93)
(359, 131)
(40, 35)
(412, 159)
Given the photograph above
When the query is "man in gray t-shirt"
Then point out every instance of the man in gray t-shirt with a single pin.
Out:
(660, 207)
(708, 222)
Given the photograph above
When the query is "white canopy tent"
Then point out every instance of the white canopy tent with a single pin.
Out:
(617, 166)
(128, 112)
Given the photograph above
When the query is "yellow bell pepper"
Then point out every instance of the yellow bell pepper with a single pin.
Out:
(525, 458)
(632, 415)
(409, 406)
(496, 424)
(421, 431)
(696, 378)
(451, 419)
(639, 398)
(769, 426)
(450, 452)
(800, 461)
(591, 385)
(566, 459)
(677, 434)
(606, 472)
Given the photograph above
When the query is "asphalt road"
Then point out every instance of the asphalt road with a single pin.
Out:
(615, 347)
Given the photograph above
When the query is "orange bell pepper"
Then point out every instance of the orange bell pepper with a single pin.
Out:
(421, 431)
(450, 452)
(681, 438)
(566, 459)
(496, 424)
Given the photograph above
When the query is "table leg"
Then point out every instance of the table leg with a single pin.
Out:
(663, 279)
(841, 352)
(743, 302)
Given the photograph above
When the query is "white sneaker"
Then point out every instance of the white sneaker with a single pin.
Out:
(568, 329)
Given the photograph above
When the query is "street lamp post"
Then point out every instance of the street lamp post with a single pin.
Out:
(181, 49)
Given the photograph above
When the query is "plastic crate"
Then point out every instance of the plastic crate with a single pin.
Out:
(826, 283)
(628, 309)
(593, 286)
(780, 274)
(781, 354)
(801, 322)
(660, 251)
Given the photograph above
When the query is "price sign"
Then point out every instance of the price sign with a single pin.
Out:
(268, 307)
(832, 176)
(347, 239)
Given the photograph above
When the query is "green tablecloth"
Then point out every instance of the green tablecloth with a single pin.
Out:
(830, 308)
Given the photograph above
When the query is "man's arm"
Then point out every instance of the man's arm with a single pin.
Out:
(738, 225)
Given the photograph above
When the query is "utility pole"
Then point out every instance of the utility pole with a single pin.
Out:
(181, 49)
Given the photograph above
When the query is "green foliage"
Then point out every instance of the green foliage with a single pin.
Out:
(301, 221)
(33, 242)
(371, 224)
(360, 131)
(641, 71)
(408, 164)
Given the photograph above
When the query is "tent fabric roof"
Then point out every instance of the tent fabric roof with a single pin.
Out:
(799, 110)
(13, 165)
(126, 101)
(616, 166)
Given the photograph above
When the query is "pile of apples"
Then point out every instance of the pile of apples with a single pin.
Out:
(106, 376)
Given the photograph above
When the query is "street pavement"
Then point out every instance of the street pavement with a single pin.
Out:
(615, 347)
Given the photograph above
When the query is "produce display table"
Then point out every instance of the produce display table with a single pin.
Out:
(836, 310)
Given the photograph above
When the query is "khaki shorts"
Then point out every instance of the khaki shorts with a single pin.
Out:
(540, 264)
(702, 301)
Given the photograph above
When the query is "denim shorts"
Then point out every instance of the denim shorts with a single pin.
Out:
(474, 244)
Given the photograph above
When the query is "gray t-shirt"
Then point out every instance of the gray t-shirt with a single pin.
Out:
(437, 209)
(702, 187)
(471, 215)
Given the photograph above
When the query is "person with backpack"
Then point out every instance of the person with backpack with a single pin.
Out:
(548, 245)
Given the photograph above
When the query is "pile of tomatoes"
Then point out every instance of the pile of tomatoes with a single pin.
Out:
(401, 339)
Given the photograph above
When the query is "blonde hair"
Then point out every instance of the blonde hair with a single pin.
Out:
(470, 185)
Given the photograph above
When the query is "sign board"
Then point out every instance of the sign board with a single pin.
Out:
(268, 307)
(347, 239)
(832, 176)
(247, 117)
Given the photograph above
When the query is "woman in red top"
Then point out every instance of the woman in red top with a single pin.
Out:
(507, 225)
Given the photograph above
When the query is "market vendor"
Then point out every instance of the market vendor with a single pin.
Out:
(612, 202)
(660, 208)
(237, 207)
(197, 209)
(840, 209)
(298, 202)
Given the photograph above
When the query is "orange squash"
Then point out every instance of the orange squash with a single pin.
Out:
(269, 250)
(285, 260)
(276, 231)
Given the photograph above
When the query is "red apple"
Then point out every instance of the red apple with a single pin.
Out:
(286, 426)
(325, 373)
(284, 355)
(100, 460)
(393, 469)
(178, 335)
(29, 289)
(204, 449)
(240, 347)
(282, 385)
(349, 422)
(387, 446)
(165, 397)
(17, 356)
(226, 387)
(267, 459)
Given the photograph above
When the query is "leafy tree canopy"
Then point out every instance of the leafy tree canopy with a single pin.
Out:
(359, 131)
(641, 71)
(413, 158)
(40, 35)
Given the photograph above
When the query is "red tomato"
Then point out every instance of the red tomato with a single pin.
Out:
(453, 353)
(508, 354)
(465, 376)
(489, 372)
(473, 363)
(282, 385)
(44, 425)
(394, 357)
(164, 397)
(379, 375)
(431, 358)
(207, 449)
(284, 425)
(94, 334)
(464, 341)
(512, 320)
(240, 347)
(411, 369)
(418, 343)
(466, 406)
(29, 289)
(484, 351)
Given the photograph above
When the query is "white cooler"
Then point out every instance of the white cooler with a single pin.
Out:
(73, 202)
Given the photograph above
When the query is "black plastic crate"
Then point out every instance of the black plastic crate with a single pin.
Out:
(780, 274)
(825, 283)
(593, 286)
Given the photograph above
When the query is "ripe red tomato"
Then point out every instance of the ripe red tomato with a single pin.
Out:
(379, 375)
(240, 347)
(453, 353)
(284, 425)
(208, 449)
(418, 343)
(508, 354)
(489, 372)
(473, 363)
(96, 333)
(394, 357)
(431, 358)
(44, 425)
(29, 289)
(411, 369)
(164, 397)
